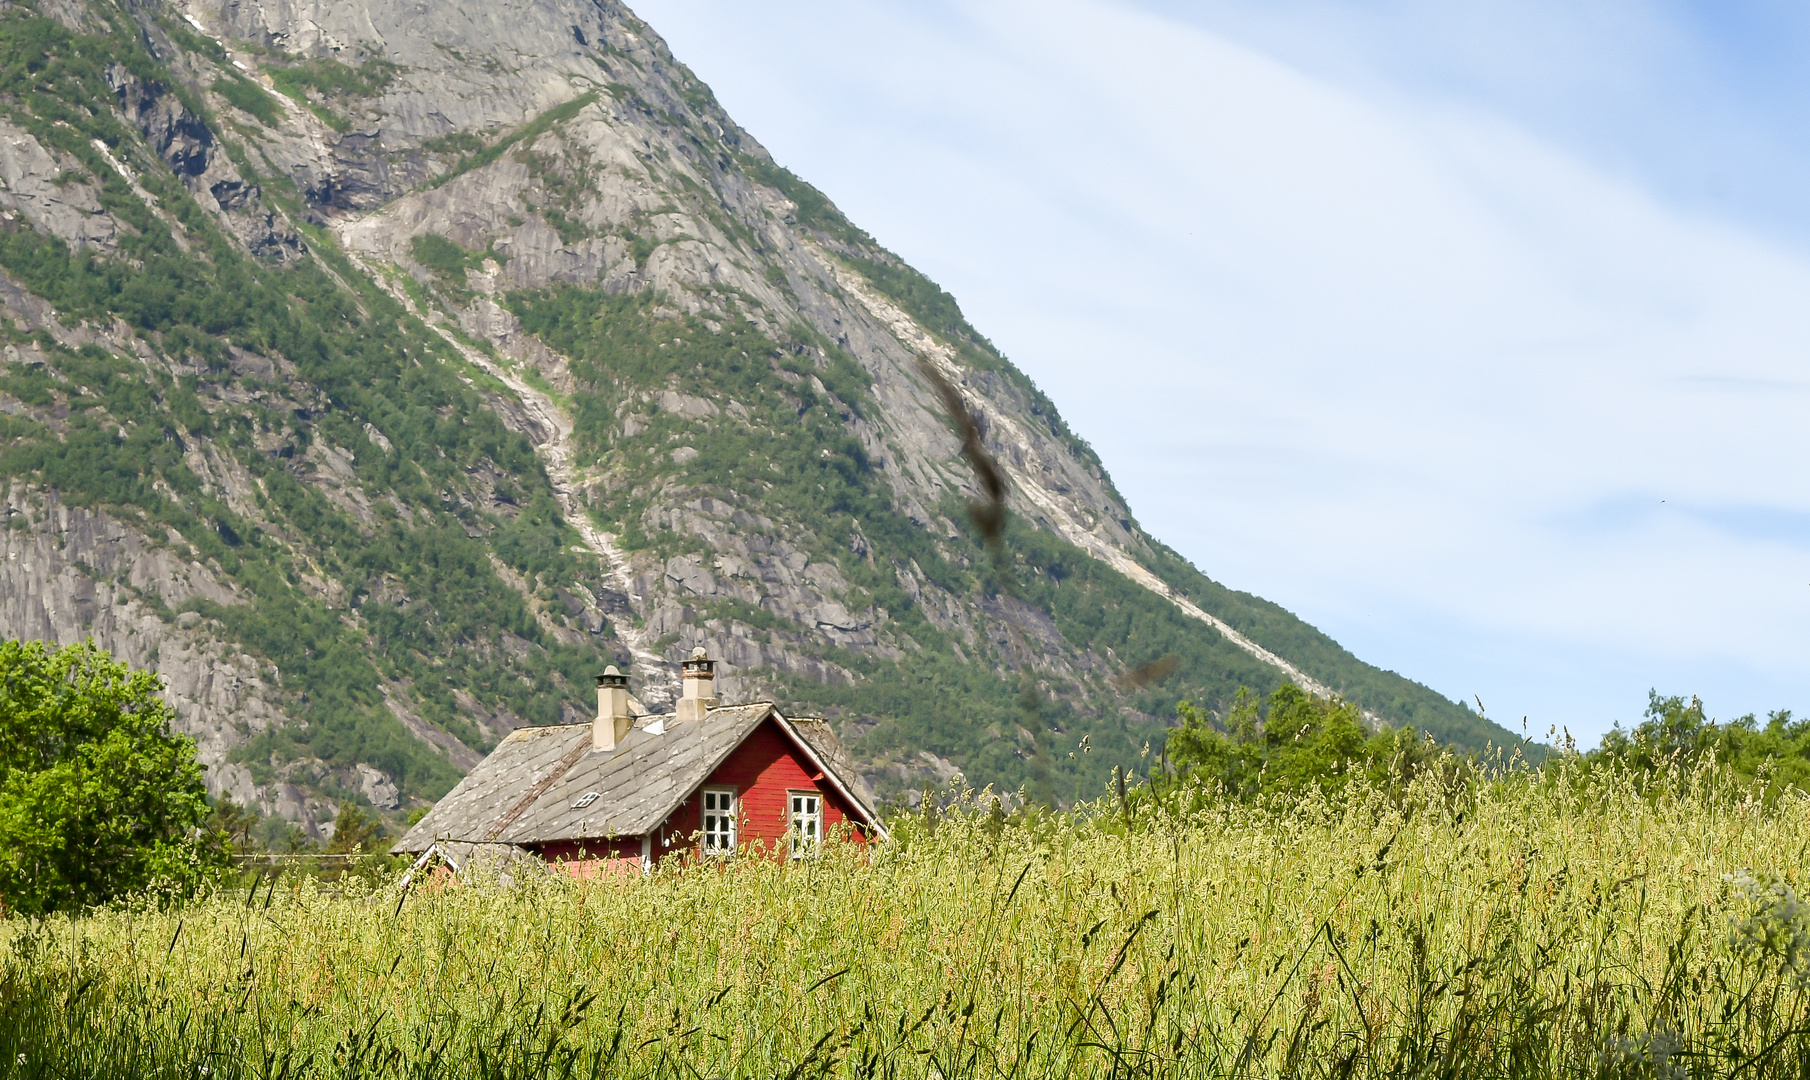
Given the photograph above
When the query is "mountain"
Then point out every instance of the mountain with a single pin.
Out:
(378, 372)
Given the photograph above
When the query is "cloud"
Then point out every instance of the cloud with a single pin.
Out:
(1703, 103)
(1358, 344)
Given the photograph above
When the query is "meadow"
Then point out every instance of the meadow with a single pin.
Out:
(1566, 922)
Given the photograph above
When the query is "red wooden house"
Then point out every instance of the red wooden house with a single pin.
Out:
(627, 790)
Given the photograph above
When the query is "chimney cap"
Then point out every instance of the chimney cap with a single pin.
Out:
(612, 678)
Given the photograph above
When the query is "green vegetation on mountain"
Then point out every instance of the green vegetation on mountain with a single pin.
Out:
(1406, 703)
(248, 97)
(350, 464)
(320, 84)
(332, 78)
(479, 154)
(416, 569)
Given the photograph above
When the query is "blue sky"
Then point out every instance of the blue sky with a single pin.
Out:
(1476, 334)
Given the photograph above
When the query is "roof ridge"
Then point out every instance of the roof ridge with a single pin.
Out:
(719, 708)
(639, 716)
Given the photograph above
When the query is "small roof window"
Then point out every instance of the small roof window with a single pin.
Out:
(585, 800)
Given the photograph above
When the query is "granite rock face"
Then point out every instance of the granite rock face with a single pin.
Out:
(67, 574)
(553, 218)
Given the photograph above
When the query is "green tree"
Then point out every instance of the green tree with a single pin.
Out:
(1290, 742)
(233, 826)
(1679, 733)
(355, 832)
(98, 797)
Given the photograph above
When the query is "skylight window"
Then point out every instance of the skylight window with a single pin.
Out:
(585, 800)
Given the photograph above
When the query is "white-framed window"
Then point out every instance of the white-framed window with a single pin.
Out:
(805, 818)
(719, 821)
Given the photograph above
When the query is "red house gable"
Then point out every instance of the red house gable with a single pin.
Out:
(761, 774)
(630, 788)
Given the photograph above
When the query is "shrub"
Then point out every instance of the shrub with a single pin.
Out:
(247, 97)
(1290, 743)
(98, 798)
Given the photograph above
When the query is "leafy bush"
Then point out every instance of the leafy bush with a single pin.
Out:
(98, 798)
(1675, 733)
(1289, 744)
(443, 258)
(355, 831)
(332, 78)
(248, 97)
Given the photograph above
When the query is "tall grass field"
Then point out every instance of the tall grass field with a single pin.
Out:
(1541, 924)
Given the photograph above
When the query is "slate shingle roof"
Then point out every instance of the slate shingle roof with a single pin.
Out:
(523, 792)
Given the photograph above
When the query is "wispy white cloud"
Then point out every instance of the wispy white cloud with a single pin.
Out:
(1410, 365)
(1702, 101)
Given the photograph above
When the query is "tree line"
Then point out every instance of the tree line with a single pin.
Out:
(100, 798)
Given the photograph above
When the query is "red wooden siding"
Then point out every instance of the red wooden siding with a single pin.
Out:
(620, 847)
(761, 770)
(588, 858)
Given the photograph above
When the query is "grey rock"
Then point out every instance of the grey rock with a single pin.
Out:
(378, 788)
(686, 405)
(73, 574)
(688, 573)
(51, 192)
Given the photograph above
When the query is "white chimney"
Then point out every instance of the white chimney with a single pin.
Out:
(700, 687)
(613, 721)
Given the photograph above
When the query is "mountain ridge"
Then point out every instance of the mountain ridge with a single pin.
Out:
(426, 364)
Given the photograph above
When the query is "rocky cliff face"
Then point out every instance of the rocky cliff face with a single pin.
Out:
(378, 370)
